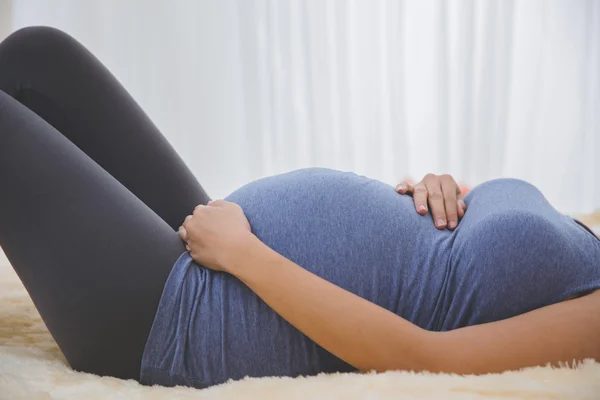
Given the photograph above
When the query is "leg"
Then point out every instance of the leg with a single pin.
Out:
(93, 257)
(56, 77)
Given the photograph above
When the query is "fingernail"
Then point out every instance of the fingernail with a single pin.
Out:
(400, 187)
(422, 208)
(440, 222)
(462, 204)
(451, 224)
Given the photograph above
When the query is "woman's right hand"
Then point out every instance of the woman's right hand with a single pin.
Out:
(215, 232)
(443, 195)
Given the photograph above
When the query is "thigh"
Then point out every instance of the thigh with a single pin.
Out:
(55, 76)
(93, 256)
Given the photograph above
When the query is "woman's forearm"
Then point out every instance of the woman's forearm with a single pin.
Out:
(359, 332)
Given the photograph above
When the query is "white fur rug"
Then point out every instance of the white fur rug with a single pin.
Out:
(32, 367)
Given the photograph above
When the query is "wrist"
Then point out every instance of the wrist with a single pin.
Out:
(236, 261)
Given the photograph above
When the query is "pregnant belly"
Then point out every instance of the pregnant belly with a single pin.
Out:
(355, 232)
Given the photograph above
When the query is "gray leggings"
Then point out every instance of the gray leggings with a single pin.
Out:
(91, 196)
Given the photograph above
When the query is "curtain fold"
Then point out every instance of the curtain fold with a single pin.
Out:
(385, 88)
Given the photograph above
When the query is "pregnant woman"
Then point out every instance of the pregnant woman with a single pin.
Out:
(137, 275)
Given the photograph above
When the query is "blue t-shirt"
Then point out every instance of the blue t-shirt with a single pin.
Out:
(511, 253)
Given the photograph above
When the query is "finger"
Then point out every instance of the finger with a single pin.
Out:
(459, 211)
(449, 187)
(217, 203)
(199, 208)
(186, 222)
(404, 187)
(436, 201)
(460, 205)
(461, 202)
(420, 197)
(460, 198)
(183, 233)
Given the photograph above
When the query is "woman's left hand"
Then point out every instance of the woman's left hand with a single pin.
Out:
(214, 232)
(443, 195)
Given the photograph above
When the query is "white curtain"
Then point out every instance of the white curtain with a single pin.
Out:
(249, 88)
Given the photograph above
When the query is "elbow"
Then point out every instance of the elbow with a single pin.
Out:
(422, 354)
(439, 355)
(442, 354)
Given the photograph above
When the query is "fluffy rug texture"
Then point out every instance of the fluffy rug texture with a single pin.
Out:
(32, 367)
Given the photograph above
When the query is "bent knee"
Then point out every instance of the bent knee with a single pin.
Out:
(34, 45)
(37, 33)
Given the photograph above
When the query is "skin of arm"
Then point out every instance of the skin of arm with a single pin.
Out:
(359, 332)
(371, 338)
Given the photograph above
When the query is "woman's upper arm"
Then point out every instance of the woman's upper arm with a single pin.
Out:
(559, 333)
